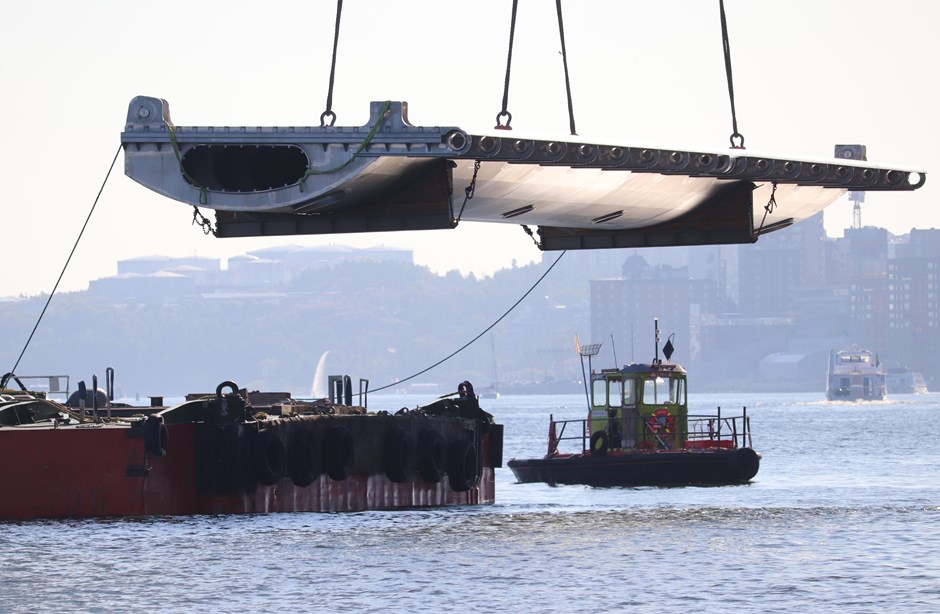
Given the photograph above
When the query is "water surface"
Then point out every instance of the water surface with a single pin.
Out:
(844, 515)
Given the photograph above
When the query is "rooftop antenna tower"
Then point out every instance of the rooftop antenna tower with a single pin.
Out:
(857, 199)
(854, 152)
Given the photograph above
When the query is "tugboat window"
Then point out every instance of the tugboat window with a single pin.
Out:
(629, 392)
(677, 391)
(599, 393)
(616, 393)
(662, 390)
(653, 389)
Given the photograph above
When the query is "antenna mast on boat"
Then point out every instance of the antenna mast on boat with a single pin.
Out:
(589, 351)
(656, 360)
(632, 343)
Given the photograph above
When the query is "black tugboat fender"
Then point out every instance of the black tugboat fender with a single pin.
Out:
(599, 443)
(747, 462)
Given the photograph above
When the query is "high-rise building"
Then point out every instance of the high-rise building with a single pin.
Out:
(624, 308)
(913, 297)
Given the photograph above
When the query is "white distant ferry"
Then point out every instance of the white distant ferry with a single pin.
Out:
(855, 375)
(901, 380)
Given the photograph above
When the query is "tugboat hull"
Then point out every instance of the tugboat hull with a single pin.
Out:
(664, 468)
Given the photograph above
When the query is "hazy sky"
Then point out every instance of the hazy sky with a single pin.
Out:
(807, 75)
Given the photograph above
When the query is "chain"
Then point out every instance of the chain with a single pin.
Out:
(203, 222)
(768, 208)
(529, 232)
(468, 193)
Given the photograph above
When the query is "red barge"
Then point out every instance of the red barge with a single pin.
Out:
(238, 452)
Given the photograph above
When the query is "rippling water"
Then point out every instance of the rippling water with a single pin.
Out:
(844, 515)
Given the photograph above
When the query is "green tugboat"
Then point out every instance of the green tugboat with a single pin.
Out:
(639, 432)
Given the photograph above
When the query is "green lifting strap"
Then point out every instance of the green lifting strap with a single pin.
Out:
(363, 145)
(203, 192)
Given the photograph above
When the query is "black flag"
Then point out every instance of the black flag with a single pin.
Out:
(668, 349)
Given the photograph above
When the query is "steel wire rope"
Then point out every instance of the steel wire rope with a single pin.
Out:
(505, 112)
(564, 59)
(6, 378)
(726, 46)
(329, 94)
(486, 330)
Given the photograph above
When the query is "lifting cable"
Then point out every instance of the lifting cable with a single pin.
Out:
(485, 330)
(201, 220)
(727, 50)
(564, 59)
(329, 96)
(505, 112)
(3, 383)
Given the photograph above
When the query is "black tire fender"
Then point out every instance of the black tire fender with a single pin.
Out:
(599, 443)
(304, 463)
(339, 452)
(399, 455)
(268, 457)
(156, 436)
(432, 455)
(462, 466)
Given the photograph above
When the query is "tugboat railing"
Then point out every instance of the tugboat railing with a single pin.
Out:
(703, 431)
(705, 428)
(556, 434)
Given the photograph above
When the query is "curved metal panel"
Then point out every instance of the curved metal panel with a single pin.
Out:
(363, 173)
